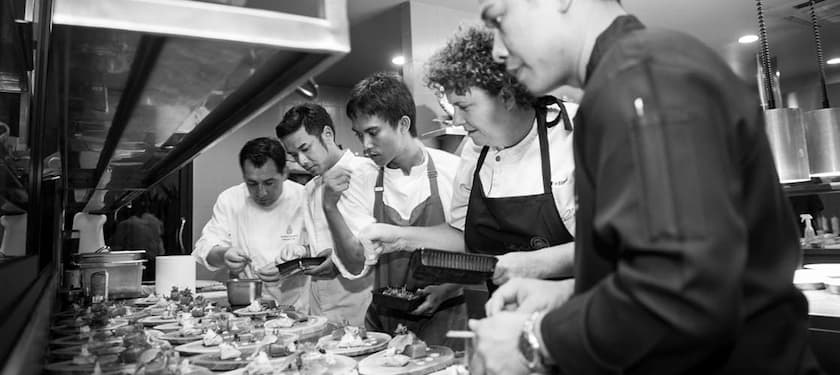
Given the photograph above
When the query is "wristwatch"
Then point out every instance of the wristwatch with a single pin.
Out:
(529, 345)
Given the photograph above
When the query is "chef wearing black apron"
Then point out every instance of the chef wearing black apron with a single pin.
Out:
(500, 225)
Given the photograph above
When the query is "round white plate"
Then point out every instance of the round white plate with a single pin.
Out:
(375, 342)
(342, 365)
(197, 347)
(437, 358)
(156, 320)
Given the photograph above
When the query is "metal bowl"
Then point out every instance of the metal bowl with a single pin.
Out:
(242, 291)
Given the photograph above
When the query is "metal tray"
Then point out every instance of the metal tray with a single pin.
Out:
(297, 266)
(440, 266)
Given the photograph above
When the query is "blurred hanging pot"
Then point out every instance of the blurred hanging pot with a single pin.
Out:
(822, 126)
(785, 129)
(786, 133)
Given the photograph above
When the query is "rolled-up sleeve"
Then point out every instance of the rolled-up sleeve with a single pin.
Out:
(462, 185)
(356, 208)
(668, 196)
(217, 232)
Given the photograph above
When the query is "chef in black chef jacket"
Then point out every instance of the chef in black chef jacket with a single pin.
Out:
(514, 192)
(685, 243)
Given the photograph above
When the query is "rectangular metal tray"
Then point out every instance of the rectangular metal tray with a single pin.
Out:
(439, 266)
(296, 266)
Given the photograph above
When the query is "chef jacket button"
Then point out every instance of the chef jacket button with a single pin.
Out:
(498, 158)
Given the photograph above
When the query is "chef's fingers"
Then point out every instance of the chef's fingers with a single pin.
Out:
(505, 298)
(426, 308)
(268, 275)
(326, 270)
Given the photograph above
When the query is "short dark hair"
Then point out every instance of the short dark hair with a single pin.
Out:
(385, 95)
(259, 150)
(467, 61)
(312, 117)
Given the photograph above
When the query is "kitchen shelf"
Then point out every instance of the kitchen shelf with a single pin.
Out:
(150, 84)
(811, 187)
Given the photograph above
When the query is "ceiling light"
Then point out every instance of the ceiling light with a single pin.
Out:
(833, 61)
(747, 39)
(398, 60)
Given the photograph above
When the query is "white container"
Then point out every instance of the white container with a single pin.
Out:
(174, 270)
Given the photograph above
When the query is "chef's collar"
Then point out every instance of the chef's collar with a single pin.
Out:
(620, 27)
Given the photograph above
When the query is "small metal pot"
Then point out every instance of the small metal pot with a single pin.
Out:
(242, 291)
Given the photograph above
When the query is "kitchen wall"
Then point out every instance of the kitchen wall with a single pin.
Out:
(217, 168)
(426, 28)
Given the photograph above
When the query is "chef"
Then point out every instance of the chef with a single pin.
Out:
(514, 189)
(308, 135)
(685, 243)
(258, 223)
(412, 186)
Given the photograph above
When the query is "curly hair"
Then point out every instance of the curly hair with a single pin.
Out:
(467, 61)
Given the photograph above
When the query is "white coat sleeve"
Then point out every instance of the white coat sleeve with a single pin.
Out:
(217, 232)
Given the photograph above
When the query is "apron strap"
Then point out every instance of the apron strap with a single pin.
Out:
(378, 189)
(379, 215)
(431, 171)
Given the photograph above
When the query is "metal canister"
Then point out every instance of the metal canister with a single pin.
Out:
(73, 279)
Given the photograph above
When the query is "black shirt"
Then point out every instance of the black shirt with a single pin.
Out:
(685, 243)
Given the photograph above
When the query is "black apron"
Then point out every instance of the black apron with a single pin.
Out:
(497, 226)
(392, 270)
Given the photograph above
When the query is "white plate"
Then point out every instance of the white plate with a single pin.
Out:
(373, 365)
(375, 342)
(197, 347)
(156, 320)
(245, 312)
(827, 269)
(808, 279)
(342, 366)
(315, 324)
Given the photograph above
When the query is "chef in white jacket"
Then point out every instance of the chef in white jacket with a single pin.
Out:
(308, 134)
(258, 223)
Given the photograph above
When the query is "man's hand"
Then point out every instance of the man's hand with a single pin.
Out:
(236, 259)
(529, 295)
(385, 235)
(292, 251)
(515, 264)
(435, 295)
(325, 270)
(268, 273)
(497, 343)
(336, 181)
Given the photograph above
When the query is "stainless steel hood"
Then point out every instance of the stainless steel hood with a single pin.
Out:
(149, 84)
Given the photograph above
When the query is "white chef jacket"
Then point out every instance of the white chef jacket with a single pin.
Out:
(262, 232)
(337, 299)
(517, 171)
(401, 192)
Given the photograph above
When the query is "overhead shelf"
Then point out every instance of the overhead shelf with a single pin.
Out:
(149, 84)
(811, 187)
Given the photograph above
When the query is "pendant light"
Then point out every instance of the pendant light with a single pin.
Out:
(822, 126)
(784, 126)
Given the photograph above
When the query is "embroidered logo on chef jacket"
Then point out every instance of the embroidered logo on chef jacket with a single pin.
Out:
(289, 235)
